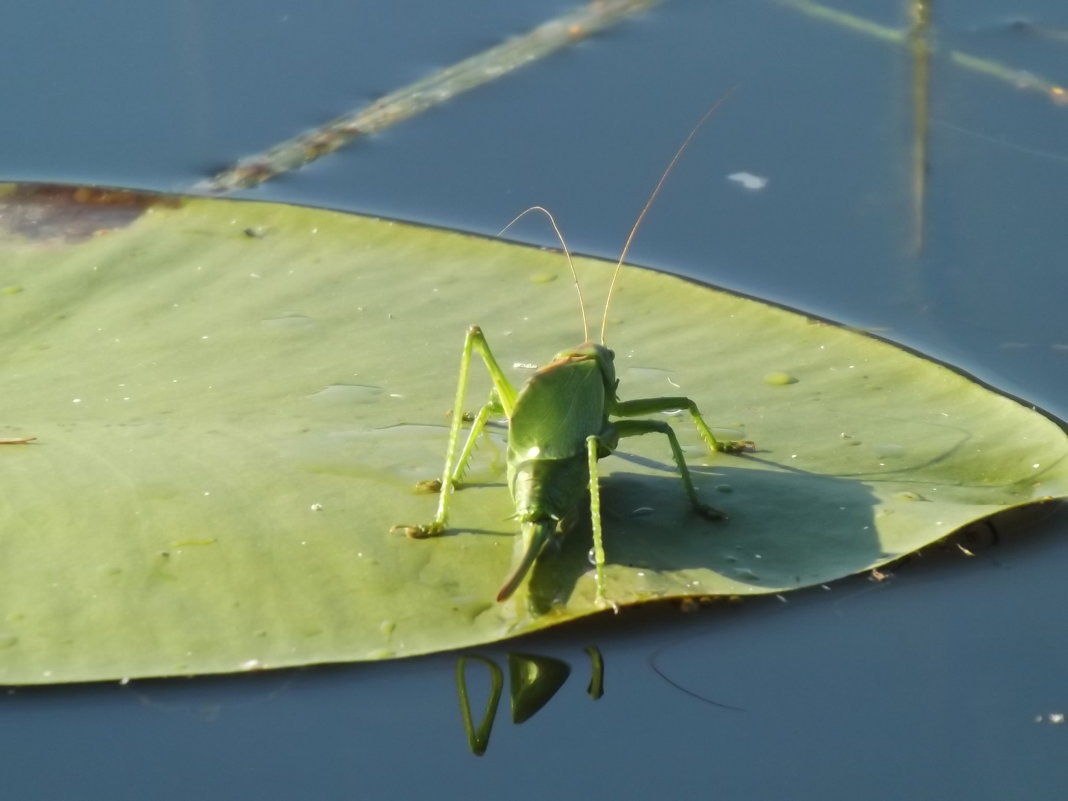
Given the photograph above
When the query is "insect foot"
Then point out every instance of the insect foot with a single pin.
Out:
(420, 532)
(737, 446)
(710, 512)
(430, 485)
(604, 603)
(465, 417)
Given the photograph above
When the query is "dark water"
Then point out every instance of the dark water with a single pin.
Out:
(926, 686)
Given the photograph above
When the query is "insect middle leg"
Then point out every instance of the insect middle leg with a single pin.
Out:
(633, 428)
(492, 408)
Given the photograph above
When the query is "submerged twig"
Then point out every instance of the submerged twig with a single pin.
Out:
(1021, 79)
(921, 95)
(436, 88)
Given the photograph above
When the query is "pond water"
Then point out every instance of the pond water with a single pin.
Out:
(945, 681)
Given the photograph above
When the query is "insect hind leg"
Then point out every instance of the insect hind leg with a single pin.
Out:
(502, 400)
(593, 448)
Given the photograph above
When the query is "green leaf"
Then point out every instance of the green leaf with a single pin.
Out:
(233, 401)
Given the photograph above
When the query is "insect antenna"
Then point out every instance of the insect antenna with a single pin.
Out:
(567, 252)
(649, 203)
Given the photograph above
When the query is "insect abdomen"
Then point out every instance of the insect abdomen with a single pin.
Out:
(544, 489)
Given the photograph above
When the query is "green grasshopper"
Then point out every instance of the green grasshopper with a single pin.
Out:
(560, 423)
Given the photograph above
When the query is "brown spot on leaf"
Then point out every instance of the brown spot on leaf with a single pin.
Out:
(58, 213)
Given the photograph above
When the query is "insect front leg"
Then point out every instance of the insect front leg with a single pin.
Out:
(647, 406)
(502, 400)
(633, 428)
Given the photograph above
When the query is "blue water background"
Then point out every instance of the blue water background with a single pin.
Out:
(939, 683)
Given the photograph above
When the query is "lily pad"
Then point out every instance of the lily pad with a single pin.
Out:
(233, 401)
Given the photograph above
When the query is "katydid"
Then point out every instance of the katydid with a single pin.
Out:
(560, 423)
